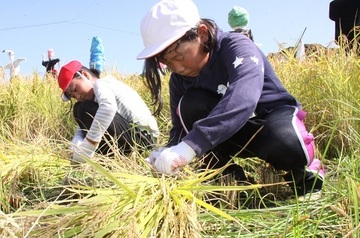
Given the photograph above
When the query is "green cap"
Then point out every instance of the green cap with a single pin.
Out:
(238, 17)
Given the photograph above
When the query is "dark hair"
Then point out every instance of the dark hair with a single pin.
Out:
(95, 72)
(245, 32)
(152, 68)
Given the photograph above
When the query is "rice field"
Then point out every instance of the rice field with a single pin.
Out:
(43, 195)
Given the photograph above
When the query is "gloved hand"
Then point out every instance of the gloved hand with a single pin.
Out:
(173, 158)
(76, 141)
(154, 154)
(85, 149)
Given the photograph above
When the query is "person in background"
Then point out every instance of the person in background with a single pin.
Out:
(346, 15)
(106, 110)
(238, 19)
(225, 98)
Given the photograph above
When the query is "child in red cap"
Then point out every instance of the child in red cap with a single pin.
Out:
(106, 109)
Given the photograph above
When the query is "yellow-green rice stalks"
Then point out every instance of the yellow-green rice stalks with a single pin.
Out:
(125, 198)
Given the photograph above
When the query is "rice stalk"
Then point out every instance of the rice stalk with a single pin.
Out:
(131, 204)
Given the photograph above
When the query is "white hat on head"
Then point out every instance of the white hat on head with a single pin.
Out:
(166, 22)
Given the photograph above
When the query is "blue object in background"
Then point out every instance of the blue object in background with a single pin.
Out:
(97, 60)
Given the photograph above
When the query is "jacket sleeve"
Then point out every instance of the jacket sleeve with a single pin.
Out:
(105, 114)
(245, 75)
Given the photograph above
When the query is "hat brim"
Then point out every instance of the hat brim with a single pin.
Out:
(149, 52)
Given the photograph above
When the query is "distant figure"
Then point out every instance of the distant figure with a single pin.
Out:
(346, 15)
(14, 65)
(238, 19)
(97, 60)
(50, 63)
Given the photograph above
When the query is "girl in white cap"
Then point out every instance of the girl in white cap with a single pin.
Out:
(106, 110)
(225, 98)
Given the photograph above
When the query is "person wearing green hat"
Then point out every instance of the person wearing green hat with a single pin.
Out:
(238, 19)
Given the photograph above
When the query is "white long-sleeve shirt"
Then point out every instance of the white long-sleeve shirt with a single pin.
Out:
(114, 96)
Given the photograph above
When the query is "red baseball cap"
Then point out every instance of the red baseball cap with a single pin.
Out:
(66, 75)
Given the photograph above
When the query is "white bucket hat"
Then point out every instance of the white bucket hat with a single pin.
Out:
(166, 22)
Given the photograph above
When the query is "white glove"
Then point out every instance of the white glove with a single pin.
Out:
(85, 149)
(76, 141)
(154, 154)
(173, 158)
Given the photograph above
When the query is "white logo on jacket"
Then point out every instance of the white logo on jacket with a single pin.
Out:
(222, 88)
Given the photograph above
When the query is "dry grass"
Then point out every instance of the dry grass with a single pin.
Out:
(43, 195)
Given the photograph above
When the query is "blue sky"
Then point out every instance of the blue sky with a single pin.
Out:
(31, 27)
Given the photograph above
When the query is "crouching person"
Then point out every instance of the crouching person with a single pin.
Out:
(106, 110)
(225, 98)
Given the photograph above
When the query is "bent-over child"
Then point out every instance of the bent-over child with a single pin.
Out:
(106, 110)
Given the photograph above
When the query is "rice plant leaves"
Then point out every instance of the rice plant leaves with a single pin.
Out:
(206, 205)
(108, 229)
(110, 176)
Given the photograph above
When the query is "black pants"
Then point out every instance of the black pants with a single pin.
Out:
(276, 140)
(120, 130)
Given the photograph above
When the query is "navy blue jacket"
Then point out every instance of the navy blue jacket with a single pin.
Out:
(239, 71)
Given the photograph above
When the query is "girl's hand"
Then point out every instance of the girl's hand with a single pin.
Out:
(85, 149)
(171, 159)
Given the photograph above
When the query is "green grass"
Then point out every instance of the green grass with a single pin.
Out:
(43, 195)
